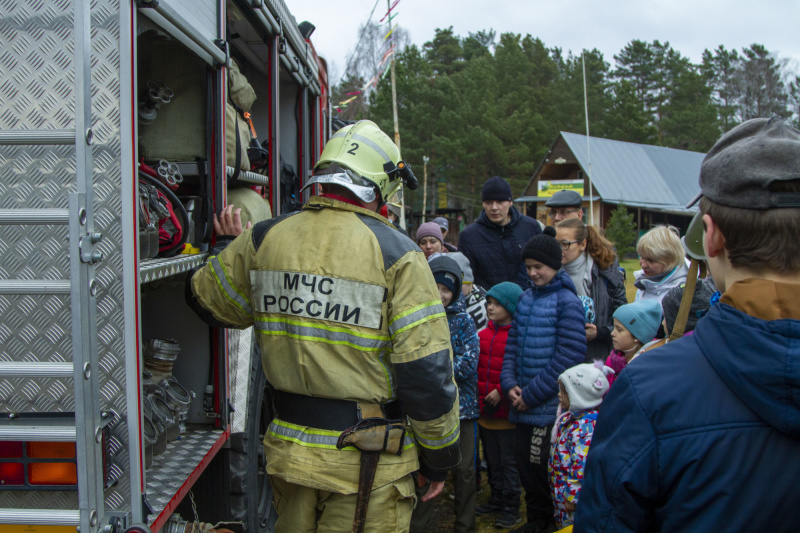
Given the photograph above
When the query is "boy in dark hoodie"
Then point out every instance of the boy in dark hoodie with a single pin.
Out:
(464, 340)
(703, 434)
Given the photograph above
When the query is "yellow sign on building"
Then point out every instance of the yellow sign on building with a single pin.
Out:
(549, 188)
(441, 192)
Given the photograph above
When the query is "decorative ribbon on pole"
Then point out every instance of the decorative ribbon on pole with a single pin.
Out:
(390, 32)
(390, 9)
(389, 50)
(388, 21)
(386, 56)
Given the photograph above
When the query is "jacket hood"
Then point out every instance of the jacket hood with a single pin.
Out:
(757, 360)
(679, 273)
(458, 305)
(515, 217)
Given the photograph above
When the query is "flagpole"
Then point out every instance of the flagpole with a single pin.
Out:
(588, 145)
(396, 125)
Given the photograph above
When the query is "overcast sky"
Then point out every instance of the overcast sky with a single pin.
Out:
(690, 26)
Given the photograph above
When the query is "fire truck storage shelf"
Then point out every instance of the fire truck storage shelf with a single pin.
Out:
(155, 269)
(179, 463)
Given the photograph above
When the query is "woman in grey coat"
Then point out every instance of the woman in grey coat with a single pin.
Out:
(591, 262)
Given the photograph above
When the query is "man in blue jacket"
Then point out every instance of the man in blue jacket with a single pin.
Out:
(703, 434)
(493, 243)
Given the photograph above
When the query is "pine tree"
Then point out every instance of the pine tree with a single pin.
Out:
(764, 93)
(621, 230)
(721, 69)
(689, 120)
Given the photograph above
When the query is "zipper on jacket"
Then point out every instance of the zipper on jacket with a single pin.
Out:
(489, 364)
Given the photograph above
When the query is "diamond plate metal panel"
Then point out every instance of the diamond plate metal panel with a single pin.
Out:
(37, 92)
(106, 153)
(171, 468)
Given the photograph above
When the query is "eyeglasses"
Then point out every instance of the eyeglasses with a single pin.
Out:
(562, 212)
(566, 244)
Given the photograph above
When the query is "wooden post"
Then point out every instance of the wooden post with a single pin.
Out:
(425, 160)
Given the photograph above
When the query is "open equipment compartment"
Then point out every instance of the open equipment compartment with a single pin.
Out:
(79, 302)
(182, 386)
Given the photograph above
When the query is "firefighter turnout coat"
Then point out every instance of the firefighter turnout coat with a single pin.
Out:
(344, 307)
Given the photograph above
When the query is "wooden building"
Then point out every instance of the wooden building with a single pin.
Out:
(653, 182)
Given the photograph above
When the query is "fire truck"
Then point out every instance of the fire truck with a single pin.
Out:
(121, 411)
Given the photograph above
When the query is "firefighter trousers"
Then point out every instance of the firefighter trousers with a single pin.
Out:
(304, 509)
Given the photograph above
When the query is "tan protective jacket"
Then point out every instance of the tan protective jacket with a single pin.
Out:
(344, 306)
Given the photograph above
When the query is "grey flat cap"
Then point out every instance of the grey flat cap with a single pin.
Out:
(565, 199)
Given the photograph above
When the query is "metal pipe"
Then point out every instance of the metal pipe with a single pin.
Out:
(39, 517)
(37, 137)
(40, 370)
(291, 33)
(249, 177)
(44, 217)
(266, 18)
(294, 69)
(179, 22)
(34, 286)
(38, 433)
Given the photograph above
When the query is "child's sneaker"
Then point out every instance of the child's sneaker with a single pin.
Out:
(509, 517)
(494, 505)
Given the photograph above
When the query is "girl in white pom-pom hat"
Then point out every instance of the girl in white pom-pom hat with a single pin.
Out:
(581, 391)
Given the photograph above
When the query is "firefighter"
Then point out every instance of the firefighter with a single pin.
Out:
(354, 340)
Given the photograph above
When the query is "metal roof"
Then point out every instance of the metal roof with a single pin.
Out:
(639, 175)
(545, 198)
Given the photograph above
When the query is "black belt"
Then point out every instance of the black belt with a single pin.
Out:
(324, 413)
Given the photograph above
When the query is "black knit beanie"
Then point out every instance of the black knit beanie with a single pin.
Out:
(447, 272)
(496, 188)
(544, 248)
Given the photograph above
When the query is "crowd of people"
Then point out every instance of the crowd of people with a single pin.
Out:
(676, 411)
(539, 347)
(555, 342)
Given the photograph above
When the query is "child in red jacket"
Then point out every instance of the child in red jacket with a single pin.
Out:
(497, 433)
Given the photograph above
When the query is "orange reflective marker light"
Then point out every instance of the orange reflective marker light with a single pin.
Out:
(51, 450)
(52, 474)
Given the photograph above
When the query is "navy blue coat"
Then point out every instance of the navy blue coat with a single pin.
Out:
(702, 434)
(547, 336)
(495, 251)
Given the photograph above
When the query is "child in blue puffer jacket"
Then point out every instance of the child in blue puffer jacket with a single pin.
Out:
(546, 337)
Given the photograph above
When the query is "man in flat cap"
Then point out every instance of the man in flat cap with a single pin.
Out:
(563, 205)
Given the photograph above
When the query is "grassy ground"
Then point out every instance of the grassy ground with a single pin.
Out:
(443, 516)
(630, 266)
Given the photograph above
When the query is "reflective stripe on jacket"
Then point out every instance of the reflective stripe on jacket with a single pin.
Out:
(344, 307)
